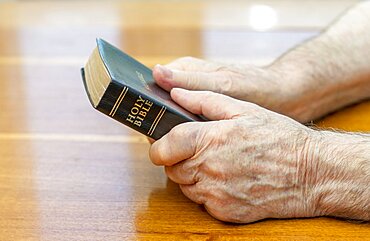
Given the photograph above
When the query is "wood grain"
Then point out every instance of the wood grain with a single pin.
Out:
(69, 173)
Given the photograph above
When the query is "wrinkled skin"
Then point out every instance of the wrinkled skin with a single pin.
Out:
(249, 163)
(266, 87)
(246, 164)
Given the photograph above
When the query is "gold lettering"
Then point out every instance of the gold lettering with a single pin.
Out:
(140, 99)
(143, 113)
(137, 123)
(139, 111)
(134, 110)
(139, 105)
(147, 105)
(130, 118)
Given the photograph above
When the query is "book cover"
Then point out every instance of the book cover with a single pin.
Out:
(130, 94)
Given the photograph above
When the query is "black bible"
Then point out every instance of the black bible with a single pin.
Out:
(122, 88)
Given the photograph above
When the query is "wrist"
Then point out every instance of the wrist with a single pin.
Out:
(310, 87)
(337, 175)
(307, 178)
(316, 84)
(296, 87)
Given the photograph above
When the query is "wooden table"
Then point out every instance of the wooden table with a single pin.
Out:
(69, 173)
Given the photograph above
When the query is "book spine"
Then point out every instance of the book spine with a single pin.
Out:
(139, 111)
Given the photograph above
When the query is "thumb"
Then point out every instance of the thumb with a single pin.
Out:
(192, 80)
(211, 105)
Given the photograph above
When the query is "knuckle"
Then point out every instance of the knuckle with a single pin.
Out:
(186, 191)
(215, 212)
(225, 84)
(192, 80)
(224, 214)
(252, 106)
(210, 95)
(196, 170)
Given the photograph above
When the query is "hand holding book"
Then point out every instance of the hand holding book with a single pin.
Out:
(247, 163)
(241, 163)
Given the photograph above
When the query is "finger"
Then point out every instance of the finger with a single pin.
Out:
(177, 145)
(185, 172)
(211, 105)
(194, 192)
(192, 80)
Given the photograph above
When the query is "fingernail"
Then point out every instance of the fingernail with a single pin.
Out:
(165, 72)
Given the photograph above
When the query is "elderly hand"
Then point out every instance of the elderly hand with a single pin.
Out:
(247, 164)
(271, 89)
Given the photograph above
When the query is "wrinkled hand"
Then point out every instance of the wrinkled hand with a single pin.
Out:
(267, 88)
(247, 164)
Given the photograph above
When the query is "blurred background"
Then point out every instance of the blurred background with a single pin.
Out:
(254, 31)
(51, 40)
